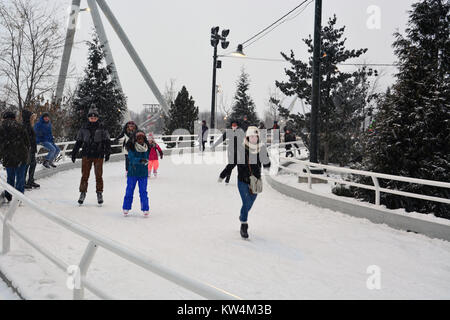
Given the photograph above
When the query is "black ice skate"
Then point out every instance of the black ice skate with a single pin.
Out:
(99, 198)
(82, 197)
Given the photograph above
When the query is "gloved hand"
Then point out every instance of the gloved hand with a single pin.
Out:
(74, 157)
(161, 156)
(106, 157)
(143, 161)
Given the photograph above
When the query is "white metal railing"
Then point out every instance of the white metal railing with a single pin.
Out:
(180, 141)
(94, 241)
(373, 175)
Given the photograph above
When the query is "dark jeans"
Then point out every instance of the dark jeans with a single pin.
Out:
(53, 150)
(31, 168)
(226, 173)
(247, 200)
(86, 165)
(16, 178)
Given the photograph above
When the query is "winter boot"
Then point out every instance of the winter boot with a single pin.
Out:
(46, 163)
(28, 186)
(99, 197)
(146, 213)
(82, 197)
(52, 164)
(244, 227)
(34, 184)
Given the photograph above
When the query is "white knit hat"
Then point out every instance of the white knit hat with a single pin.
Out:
(252, 131)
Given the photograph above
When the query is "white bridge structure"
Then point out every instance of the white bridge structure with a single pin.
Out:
(300, 246)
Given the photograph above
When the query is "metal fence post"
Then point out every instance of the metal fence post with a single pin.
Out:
(377, 190)
(78, 293)
(6, 240)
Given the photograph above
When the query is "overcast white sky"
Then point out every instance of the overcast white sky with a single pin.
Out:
(172, 38)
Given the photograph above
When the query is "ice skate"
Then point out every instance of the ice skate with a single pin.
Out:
(99, 198)
(125, 213)
(244, 228)
(146, 214)
(82, 197)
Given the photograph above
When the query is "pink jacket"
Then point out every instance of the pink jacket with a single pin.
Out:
(152, 154)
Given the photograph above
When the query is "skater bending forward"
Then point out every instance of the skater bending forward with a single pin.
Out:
(249, 173)
(138, 153)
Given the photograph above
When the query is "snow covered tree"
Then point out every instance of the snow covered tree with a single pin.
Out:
(182, 113)
(98, 87)
(411, 131)
(243, 103)
(342, 94)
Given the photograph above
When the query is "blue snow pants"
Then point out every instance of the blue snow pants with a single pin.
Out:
(131, 185)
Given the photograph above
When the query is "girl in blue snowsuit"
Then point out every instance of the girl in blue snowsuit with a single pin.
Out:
(138, 152)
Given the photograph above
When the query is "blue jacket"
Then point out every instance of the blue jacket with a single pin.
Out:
(43, 131)
(136, 168)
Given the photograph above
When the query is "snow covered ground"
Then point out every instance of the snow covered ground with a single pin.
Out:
(6, 293)
(295, 251)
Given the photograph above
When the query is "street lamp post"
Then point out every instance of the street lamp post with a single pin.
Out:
(315, 105)
(215, 39)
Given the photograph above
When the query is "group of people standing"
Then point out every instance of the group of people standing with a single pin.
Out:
(18, 148)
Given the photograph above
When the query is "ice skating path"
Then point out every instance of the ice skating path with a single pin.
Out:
(295, 251)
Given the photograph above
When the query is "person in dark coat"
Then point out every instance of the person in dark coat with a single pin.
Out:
(129, 130)
(44, 137)
(94, 140)
(235, 141)
(289, 136)
(276, 134)
(203, 136)
(245, 123)
(14, 151)
(254, 157)
(28, 119)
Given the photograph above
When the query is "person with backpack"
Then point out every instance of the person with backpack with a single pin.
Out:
(14, 151)
(95, 143)
(138, 155)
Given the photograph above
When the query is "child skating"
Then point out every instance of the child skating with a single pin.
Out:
(138, 153)
(153, 162)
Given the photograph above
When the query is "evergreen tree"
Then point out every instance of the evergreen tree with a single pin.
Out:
(98, 87)
(342, 94)
(243, 103)
(411, 131)
(182, 113)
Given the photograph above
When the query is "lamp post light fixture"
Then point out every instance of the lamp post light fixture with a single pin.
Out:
(239, 51)
(215, 39)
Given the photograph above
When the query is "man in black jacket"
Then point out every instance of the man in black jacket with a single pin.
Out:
(289, 136)
(235, 142)
(14, 151)
(94, 140)
(28, 119)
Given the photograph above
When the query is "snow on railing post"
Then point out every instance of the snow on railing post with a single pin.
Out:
(6, 241)
(78, 293)
(377, 190)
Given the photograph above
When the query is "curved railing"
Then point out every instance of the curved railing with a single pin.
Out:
(275, 151)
